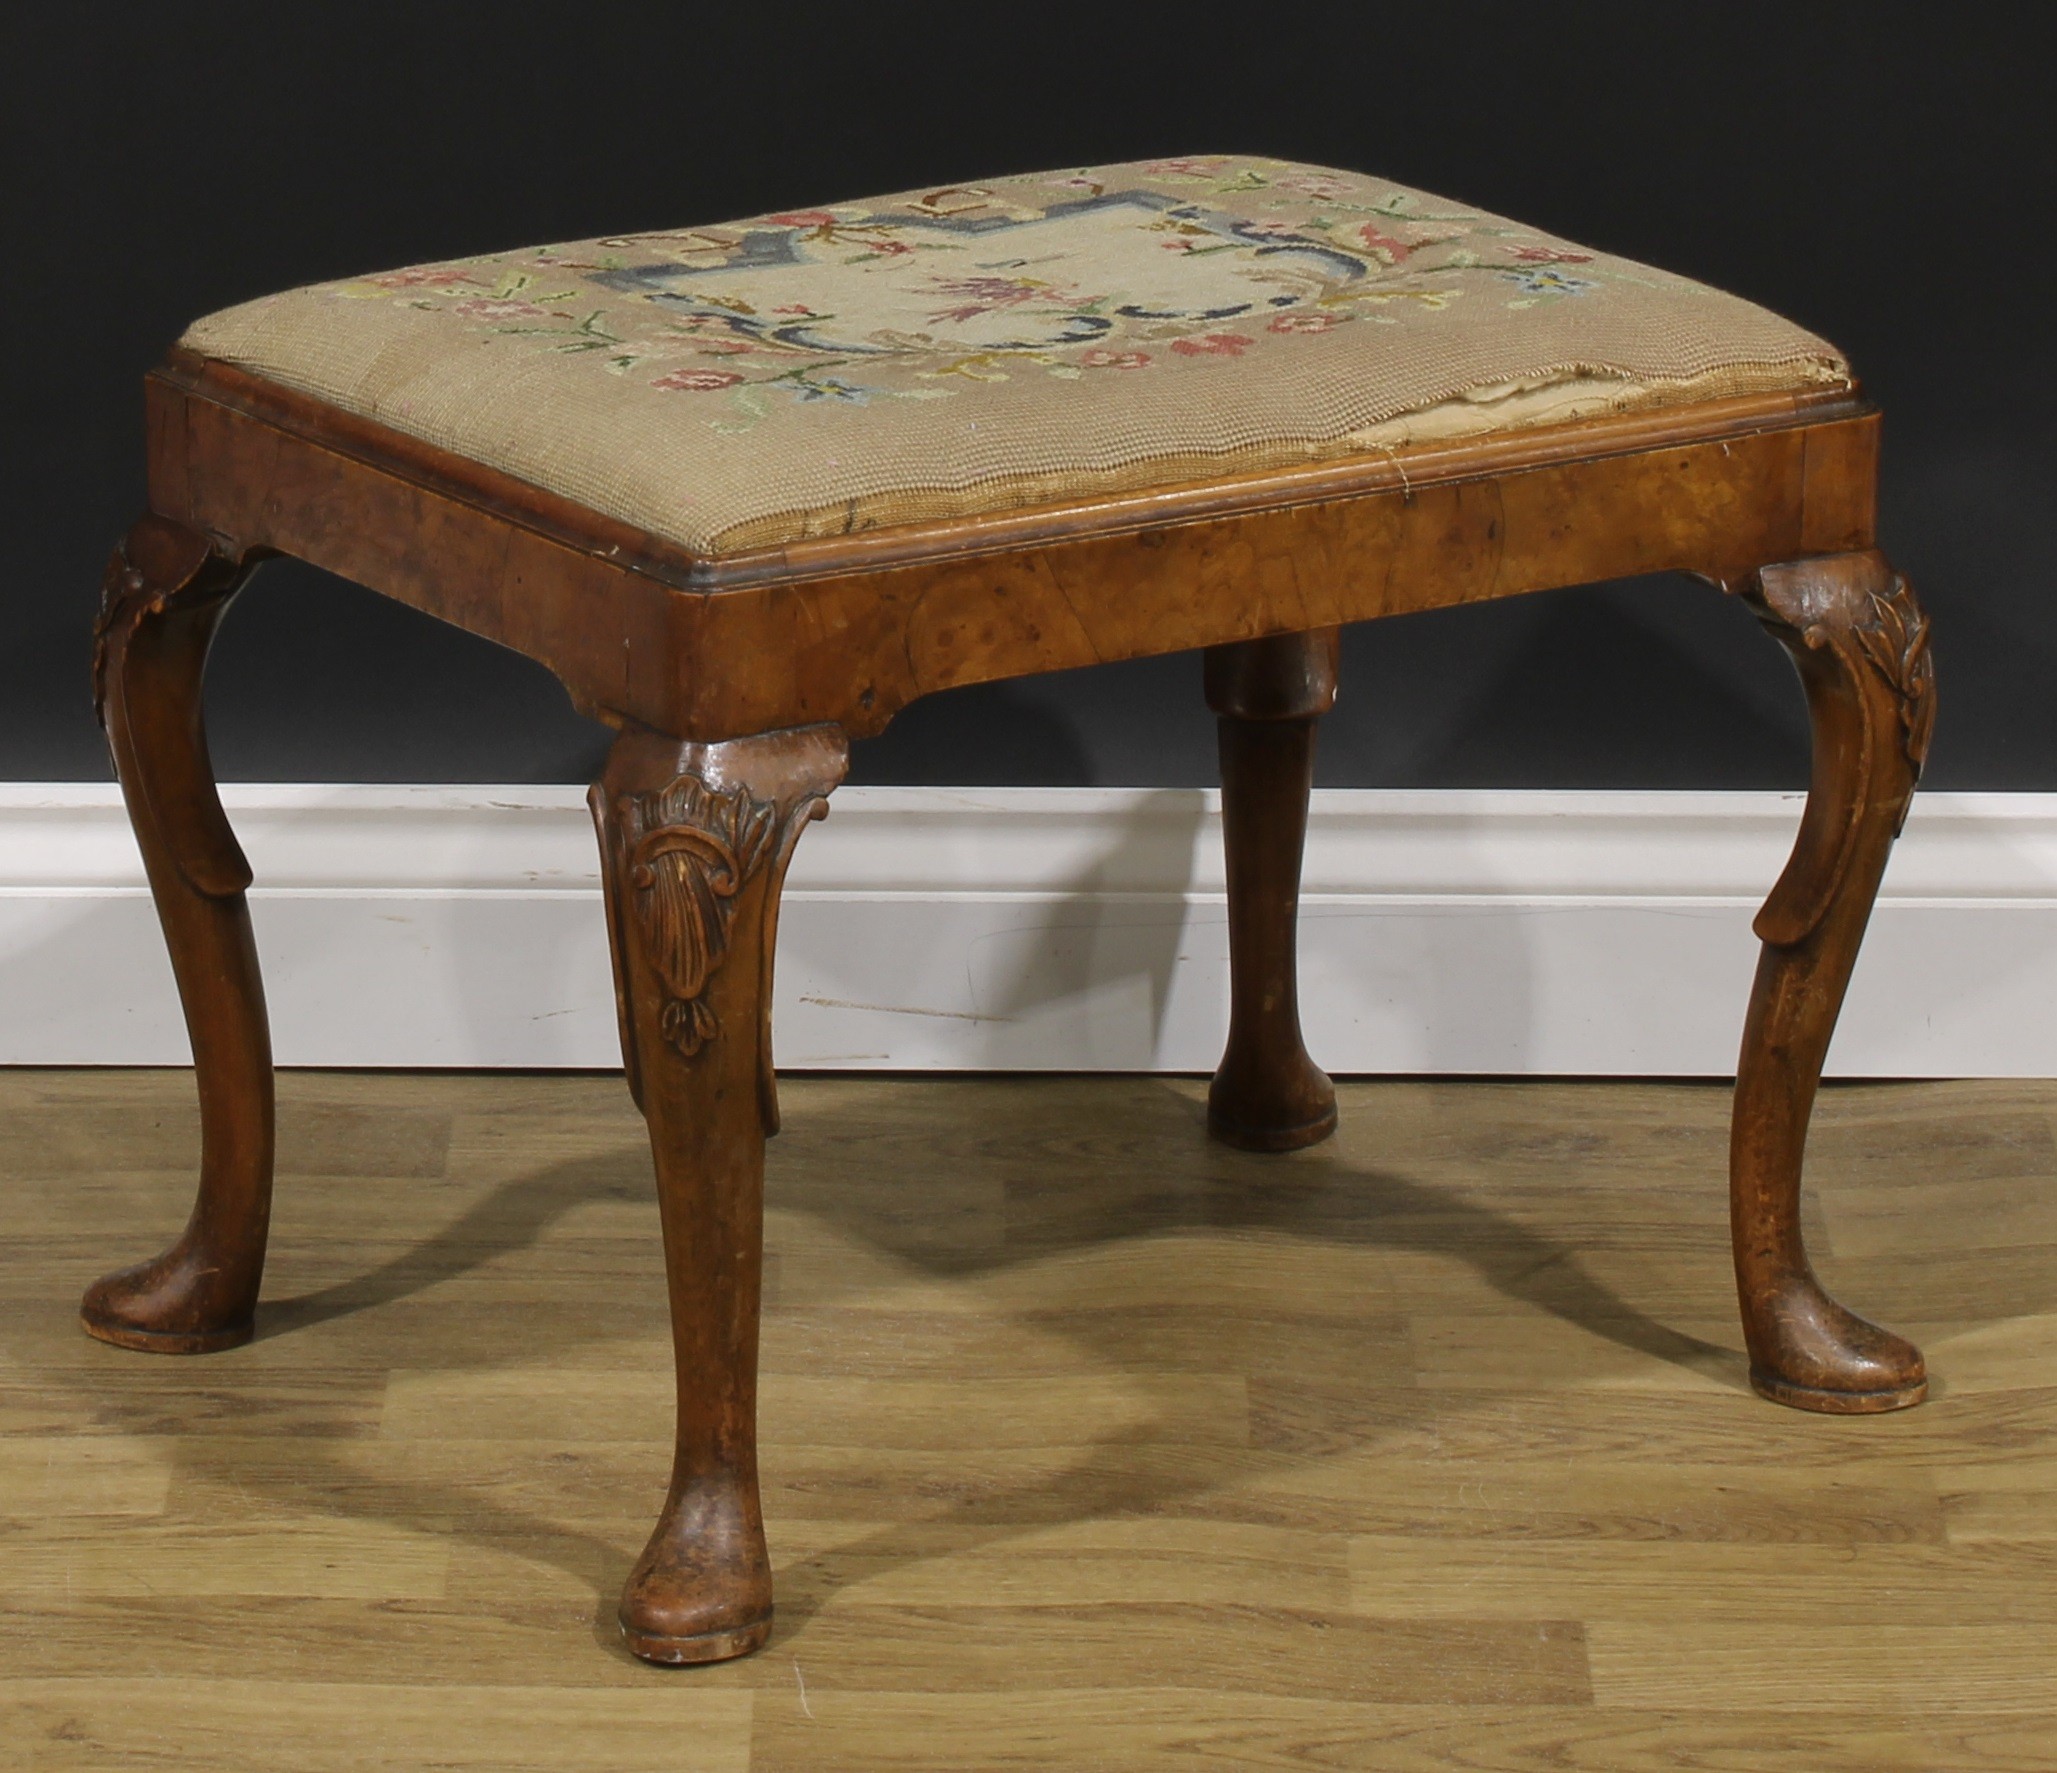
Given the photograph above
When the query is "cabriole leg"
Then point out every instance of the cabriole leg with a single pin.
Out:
(166, 589)
(694, 843)
(1860, 641)
(1267, 1095)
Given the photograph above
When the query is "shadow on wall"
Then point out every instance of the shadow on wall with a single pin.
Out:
(1101, 950)
(315, 679)
(1648, 683)
(1136, 723)
(1104, 950)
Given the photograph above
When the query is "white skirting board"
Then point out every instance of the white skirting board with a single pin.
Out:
(1055, 929)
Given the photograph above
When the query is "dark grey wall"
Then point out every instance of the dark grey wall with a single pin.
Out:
(1883, 174)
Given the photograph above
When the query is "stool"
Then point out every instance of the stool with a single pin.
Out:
(749, 490)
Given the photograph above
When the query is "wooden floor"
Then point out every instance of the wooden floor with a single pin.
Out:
(1087, 1444)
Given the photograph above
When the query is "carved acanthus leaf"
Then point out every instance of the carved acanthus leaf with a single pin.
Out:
(1854, 610)
(124, 595)
(687, 852)
(156, 566)
(1895, 645)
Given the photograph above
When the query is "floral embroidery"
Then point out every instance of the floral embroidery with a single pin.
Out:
(419, 276)
(1303, 320)
(1550, 255)
(698, 380)
(1386, 248)
(1215, 344)
(1318, 184)
(986, 295)
(1188, 260)
(1185, 169)
(803, 385)
(492, 308)
(1541, 281)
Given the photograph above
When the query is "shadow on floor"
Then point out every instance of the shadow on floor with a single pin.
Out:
(1069, 1184)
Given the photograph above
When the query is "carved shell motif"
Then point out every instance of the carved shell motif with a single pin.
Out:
(1896, 646)
(687, 853)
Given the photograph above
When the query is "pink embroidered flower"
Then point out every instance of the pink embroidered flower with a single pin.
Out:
(722, 347)
(1100, 359)
(1551, 255)
(1215, 344)
(1384, 247)
(804, 218)
(420, 276)
(1318, 184)
(500, 308)
(984, 295)
(1189, 168)
(697, 381)
(1301, 320)
(794, 308)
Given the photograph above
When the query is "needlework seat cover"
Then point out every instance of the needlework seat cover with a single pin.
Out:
(983, 347)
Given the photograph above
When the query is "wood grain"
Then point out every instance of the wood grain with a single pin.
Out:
(1268, 697)
(1069, 1458)
(850, 629)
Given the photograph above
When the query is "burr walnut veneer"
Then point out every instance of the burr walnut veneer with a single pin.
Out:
(736, 682)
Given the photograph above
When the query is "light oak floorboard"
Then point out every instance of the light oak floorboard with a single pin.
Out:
(1087, 1444)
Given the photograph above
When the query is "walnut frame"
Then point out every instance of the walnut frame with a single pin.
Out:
(735, 684)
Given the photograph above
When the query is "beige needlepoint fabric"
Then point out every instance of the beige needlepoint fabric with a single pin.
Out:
(984, 347)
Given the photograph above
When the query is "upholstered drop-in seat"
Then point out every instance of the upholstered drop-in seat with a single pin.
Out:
(968, 350)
